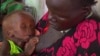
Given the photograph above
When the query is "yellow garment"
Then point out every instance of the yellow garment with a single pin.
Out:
(14, 48)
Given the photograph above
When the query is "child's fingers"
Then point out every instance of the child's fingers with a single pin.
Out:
(30, 46)
(34, 40)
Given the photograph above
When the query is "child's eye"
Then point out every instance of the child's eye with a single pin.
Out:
(23, 27)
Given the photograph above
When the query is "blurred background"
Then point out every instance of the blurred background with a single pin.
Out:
(40, 6)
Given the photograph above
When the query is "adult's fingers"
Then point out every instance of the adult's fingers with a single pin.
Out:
(37, 32)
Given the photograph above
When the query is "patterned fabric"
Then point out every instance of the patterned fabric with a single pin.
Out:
(4, 5)
(9, 6)
(14, 7)
(42, 25)
(82, 40)
(14, 48)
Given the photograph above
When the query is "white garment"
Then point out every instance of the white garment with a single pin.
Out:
(40, 6)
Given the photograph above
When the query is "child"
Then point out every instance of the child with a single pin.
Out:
(19, 34)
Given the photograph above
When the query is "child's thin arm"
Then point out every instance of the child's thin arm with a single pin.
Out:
(5, 49)
(29, 47)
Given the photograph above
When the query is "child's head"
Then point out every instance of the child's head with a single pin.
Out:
(18, 26)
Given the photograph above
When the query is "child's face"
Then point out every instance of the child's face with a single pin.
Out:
(24, 29)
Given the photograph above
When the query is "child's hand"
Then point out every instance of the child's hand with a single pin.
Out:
(30, 46)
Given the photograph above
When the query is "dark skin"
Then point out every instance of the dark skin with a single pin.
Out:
(21, 30)
(62, 16)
